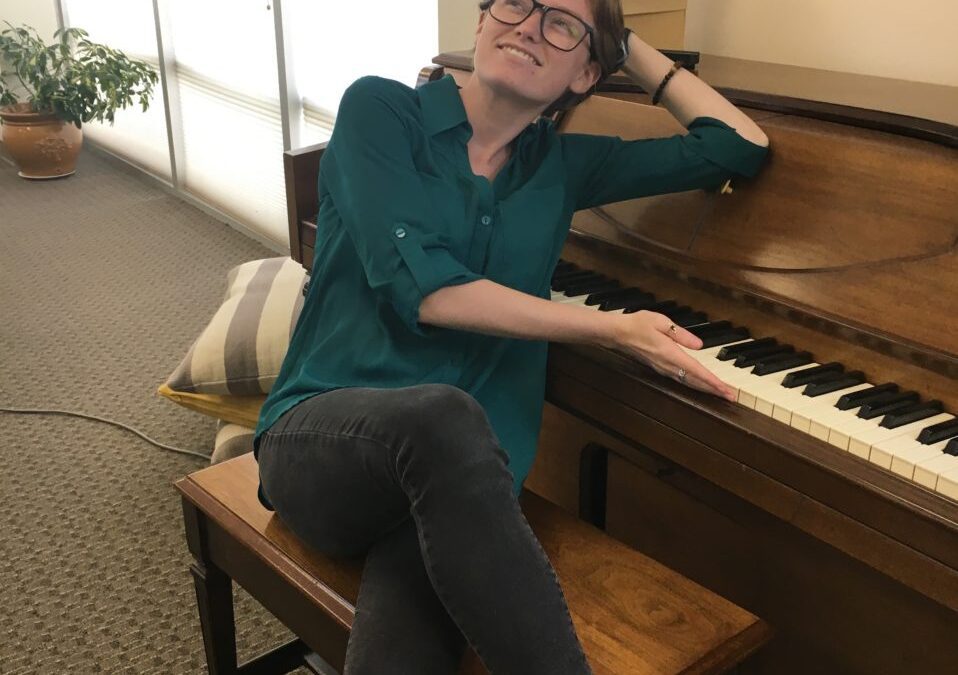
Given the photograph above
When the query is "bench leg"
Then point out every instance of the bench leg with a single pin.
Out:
(214, 598)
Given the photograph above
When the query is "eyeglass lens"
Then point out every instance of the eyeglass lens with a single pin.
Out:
(559, 28)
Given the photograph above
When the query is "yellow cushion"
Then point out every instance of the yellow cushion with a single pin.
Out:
(242, 410)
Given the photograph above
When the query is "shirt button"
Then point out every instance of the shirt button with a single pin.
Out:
(399, 232)
(485, 220)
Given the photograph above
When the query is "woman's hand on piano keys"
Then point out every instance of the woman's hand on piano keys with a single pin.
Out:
(657, 342)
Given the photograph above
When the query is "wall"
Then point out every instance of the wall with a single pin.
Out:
(457, 24)
(905, 40)
(40, 14)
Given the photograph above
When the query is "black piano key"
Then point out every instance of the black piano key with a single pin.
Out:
(723, 338)
(758, 355)
(689, 318)
(859, 398)
(938, 432)
(569, 274)
(843, 381)
(638, 305)
(565, 266)
(777, 356)
(952, 447)
(671, 309)
(613, 294)
(582, 277)
(562, 284)
(663, 307)
(734, 351)
(641, 299)
(713, 327)
(576, 277)
(911, 414)
(891, 404)
(780, 362)
(593, 286)
(809, 375)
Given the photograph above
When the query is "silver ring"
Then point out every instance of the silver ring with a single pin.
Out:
(672, 328)
(682, 374)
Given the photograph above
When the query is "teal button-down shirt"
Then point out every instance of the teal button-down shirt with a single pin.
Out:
(402, 214)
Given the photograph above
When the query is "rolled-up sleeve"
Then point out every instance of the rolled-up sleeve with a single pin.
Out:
(369, 173)
(605, 169)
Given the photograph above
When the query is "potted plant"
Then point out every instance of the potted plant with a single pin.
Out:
(67, 83)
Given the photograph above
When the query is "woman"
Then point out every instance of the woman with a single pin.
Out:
(405, 416)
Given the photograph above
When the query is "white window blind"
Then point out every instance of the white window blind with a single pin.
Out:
(334, 43)
(128, 26)
(230, 113)
(224, 56)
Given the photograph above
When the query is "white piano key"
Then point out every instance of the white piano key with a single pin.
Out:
(769, 390)
(948, 484)
(823, 424)
(902, 453)
(573, 300)
(861, 443)
(751, 387)
(803, 415)
(927, 471)
(842, 429)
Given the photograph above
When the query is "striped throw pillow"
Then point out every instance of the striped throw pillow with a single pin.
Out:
(241, 350)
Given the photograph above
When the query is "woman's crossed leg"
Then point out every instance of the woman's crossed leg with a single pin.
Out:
(414, 477)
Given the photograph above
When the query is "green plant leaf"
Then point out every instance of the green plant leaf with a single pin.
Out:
(75, 78)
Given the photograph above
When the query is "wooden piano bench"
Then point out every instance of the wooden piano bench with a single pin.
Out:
(632, 614)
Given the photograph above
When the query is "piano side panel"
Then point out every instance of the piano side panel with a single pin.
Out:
(831, 613)
(301, 171)
(307, 257)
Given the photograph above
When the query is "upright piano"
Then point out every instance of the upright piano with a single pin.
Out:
(826, 292)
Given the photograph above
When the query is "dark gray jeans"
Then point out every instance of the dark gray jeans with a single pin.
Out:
(345, 470)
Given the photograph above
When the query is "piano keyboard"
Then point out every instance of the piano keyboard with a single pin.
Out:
(894, 429)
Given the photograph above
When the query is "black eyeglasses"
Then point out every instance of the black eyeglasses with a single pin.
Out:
(561, 29)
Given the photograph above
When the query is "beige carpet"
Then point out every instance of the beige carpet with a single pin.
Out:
(105, 280)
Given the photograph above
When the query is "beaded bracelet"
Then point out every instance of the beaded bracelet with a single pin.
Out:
(676, 66)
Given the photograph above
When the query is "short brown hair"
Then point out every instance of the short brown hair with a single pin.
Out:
(609, 32)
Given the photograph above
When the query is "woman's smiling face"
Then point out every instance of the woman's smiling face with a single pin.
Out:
(516, 61)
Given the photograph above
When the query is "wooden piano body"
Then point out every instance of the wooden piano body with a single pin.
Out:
(844, 246)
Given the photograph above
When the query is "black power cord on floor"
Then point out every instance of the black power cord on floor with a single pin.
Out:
(45, 411)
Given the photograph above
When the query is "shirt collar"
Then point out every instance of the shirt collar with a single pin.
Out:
(441, 105)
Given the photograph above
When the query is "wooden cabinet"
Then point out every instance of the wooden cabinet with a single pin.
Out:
(661, 23)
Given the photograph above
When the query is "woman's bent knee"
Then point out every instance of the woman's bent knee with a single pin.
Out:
(446, 429)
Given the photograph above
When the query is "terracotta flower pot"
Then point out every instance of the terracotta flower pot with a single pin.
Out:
(42, 145)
